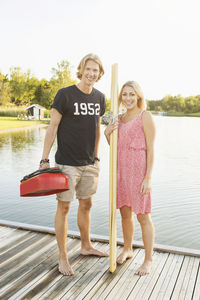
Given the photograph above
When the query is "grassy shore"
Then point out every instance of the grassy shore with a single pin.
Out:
(179, 114)
(12, 122)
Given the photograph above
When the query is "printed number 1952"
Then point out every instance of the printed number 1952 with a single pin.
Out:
(87, 109)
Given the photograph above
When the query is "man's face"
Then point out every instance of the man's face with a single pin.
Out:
(90, 73)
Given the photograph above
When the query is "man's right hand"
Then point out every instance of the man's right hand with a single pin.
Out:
(44, 164)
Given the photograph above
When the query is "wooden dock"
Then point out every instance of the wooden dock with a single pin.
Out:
(28, 270)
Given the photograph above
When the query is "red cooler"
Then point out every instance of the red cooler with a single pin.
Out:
(44, 182)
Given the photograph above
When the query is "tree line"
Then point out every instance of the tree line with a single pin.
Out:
(22, 88)
(175, 104)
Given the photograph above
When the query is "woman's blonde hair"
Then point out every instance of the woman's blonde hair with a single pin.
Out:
(83, 62)
(140, 96)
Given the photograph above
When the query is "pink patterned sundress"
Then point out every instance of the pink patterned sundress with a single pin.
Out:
(132, 164)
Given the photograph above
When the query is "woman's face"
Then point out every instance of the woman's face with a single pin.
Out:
(129, 98)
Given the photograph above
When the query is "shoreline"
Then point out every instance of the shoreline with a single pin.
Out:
(22, 128)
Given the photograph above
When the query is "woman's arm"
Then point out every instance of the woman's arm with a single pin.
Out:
(109, 129)
(50, 136)
(149, 131)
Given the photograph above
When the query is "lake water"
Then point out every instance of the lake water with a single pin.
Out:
(176, 183)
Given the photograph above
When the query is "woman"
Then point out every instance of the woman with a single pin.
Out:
(136, 135)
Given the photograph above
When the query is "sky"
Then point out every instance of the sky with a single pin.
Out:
(154, 42)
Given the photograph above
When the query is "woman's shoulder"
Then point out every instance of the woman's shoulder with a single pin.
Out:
(147, 116)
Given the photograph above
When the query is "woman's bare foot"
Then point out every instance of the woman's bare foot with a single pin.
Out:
(93, 251)
(64, 267)
(124, 256)
(145, 268)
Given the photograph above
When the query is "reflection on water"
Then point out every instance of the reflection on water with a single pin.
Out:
(176, 177)
(18, 140)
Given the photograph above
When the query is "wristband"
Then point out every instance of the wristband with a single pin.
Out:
(46, 160)
(96, 158)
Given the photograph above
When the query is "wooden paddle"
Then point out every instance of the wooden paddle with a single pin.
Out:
(113, 172)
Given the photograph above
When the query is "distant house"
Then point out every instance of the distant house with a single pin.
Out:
(36, 111)
(162, 113)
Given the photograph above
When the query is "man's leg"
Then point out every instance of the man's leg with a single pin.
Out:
(84, 227)
(61, 236)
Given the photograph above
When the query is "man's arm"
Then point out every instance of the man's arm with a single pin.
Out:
(50, 136)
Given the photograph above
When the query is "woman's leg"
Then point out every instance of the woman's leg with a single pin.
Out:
(128, 230)
(148, 240)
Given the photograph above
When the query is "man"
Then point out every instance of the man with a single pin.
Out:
(75, 119)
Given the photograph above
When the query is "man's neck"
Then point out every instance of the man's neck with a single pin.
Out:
(84, 88)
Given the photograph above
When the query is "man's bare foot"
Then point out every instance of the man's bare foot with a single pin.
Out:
(64, 267)
(124, 256)
(93, 251)
(145, 268)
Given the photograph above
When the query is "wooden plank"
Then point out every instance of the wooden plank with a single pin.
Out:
(162, 277)
(88, 280)
(98, 274)
(100, 238)
(67, 286)
(49, 281)
(153, 277)
(15, 239)
(32, 283)
(144, 285)
(10, 254)
(36, 264)
(196, 295)
(181, 276)
(53, 280)
(5, 230)
(113, 173)
(6, 233)
(128, 280)
(168, 277)
(108, 282)
(192, 279)
(128, 277)
(14, 254)
(189, 281)
(38, 255)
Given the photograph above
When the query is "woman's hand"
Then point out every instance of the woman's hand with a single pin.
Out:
(110, 128)
(146, 186)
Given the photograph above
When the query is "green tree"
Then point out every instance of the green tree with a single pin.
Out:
(108, 104)
(23, 86)
(61, 77)
(4, 90)
(180, 103)
(42, 94)
(31, 84)
(17, 85)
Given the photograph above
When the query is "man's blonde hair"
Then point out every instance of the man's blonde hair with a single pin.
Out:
(83, 62)
(140, 96)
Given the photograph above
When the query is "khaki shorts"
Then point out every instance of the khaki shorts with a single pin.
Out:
(82, 179)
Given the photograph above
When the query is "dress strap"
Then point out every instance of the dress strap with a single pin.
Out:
(141, 113)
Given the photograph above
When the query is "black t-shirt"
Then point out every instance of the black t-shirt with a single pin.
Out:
(76, 134)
